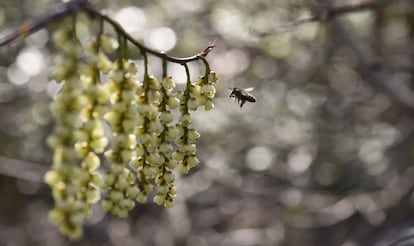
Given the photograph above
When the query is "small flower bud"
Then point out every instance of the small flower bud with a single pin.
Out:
(98, 144)
(173, 132)
(188, 149)
(126, 203)
(153, 82)
(121, 184)
(96, 179)
(112, 118)
(173, 102)
(122, 213)
(212, 77)
(162, 189)
(171, 163)
(93, 196)
(109, 179)
(156, 159)
(208, 89)
(185, 119)
(183, 167)
(208, 105)
(172, 191)
(195, 90)
(91, 162)
(149, 171)
(115, 195)
(104, 64)
(136, 163)
(166, 117)
(159, 199)
(132, 191)
(192, 104)
(108, 43)
(76, 219)
(168, 83)
(169, 202)
(107, 205)
(156, 127)
(165, 148)
(178, 156)
(142, 198)
(52, 177)
(169, 177)
(193, 135)
(147, 188)
(192, 161)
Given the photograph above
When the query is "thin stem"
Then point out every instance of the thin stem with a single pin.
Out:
(146, 76)
(164, 68)
(145, 56)
(120, 50)
(188, 86)
(207, 72)
(125, 48)
(73, 31)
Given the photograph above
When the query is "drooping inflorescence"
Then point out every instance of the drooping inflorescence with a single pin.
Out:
(105, 113)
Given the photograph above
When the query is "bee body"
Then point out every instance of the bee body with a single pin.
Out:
(242, 96)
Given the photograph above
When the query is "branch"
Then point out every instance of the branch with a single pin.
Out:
(22, 169)
(31, 26)
(369, 64)
(90, 10)
(323, 12)
(71, 7)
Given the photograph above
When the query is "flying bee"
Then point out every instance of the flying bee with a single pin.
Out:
(242, 95)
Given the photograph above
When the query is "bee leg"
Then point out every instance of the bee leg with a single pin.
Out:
(242, 103)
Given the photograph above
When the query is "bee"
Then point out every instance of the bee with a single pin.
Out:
(242, 95)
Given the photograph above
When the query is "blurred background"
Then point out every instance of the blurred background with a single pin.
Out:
(324, 157)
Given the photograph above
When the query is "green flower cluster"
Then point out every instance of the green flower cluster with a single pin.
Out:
(122, 117)
(77, 139)
(146, 125)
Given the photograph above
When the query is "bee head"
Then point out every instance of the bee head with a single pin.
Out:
(233, 90)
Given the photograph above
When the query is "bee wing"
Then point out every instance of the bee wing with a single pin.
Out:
(248, 89)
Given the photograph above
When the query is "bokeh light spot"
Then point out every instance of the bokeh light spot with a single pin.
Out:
(30, 61)
(259, 158)
(132, 19)
(299, 160)
(161, 38)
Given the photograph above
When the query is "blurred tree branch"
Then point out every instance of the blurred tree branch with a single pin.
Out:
(71, 7)
(322, 11)
(370, 65)
(23, 170)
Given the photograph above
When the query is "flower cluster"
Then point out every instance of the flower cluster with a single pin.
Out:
(77, 139)
(122, 118)
(143, 128)
(153, 160)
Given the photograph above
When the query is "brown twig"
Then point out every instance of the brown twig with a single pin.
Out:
(118, 28)
(71, 7)
(31, 26)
